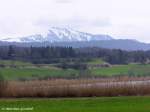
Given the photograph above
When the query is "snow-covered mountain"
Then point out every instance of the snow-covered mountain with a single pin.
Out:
(69, 37)
(67, 34)
(56, 34)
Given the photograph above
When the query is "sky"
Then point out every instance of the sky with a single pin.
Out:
(119, 18)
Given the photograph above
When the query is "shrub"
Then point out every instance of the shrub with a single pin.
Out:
(3, 85)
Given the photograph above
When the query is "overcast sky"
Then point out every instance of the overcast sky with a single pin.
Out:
(118, 18)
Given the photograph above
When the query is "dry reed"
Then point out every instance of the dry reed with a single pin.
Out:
(122, 86)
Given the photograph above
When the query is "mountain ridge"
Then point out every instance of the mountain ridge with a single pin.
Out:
(67, 37)
(56, 34)
(123, 44)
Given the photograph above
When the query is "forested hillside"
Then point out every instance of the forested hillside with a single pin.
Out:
(65, 54)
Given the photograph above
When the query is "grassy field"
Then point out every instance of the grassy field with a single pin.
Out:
(17, 70)
(96, 61)
(131, 69)
(17, 73)
(31, 73)
(104, 104)
(14, 70)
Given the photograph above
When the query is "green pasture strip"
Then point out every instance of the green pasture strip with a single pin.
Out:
(29, 73)
(104, 104)
(131, 69)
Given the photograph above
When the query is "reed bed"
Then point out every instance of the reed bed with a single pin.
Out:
(118, 86)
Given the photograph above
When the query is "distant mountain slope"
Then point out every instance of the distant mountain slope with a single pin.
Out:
(110, 44)
(124, 44)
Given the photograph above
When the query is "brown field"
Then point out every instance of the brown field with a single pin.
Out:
(119, 86)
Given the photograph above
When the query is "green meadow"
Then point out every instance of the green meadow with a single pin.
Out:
(17, 70)
(103, 104)
(33, 73)
(131, 70)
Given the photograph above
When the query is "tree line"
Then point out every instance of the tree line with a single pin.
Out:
(68, 54)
